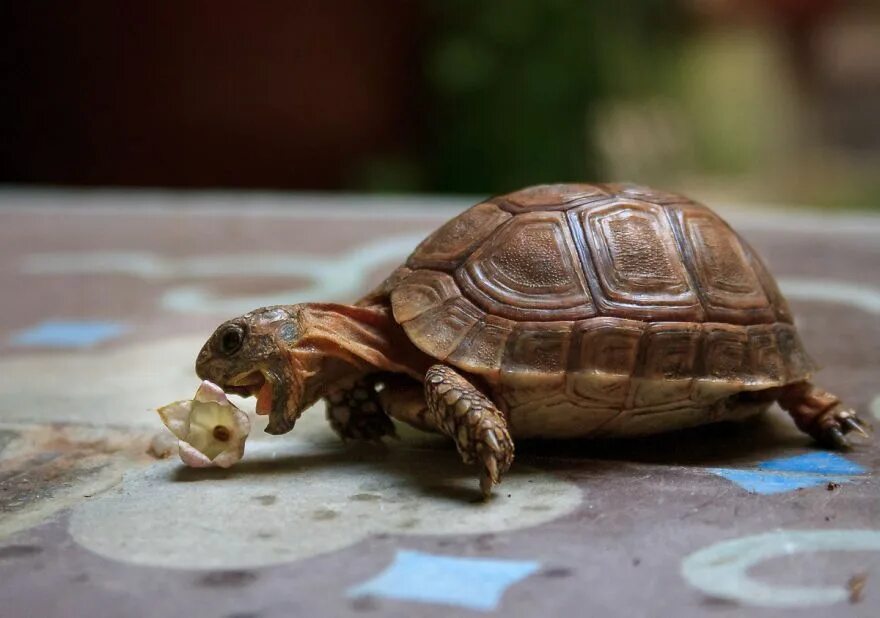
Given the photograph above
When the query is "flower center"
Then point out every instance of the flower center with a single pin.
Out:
(221, 433)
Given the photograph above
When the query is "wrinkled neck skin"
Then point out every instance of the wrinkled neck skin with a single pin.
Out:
(337, 345)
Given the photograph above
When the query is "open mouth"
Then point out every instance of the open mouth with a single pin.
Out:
(253, 384)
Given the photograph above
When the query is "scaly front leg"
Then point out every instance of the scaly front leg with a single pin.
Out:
(356, 412)
(462, 412)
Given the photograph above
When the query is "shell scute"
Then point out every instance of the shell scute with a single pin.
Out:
(550, 197)
(607, 345)
(648, 194)
(765, 360)
(629, 250)
(456, 239)
(728, 285)
(604, 356)
(534, 366)
(439, 331)
(540, 348)
(771, 288)
(421, 291)
(798, 364)
(672, 351)
(726, 351)
(482, 349)
(528, 271)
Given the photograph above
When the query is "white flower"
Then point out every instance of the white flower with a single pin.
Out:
(210, 429)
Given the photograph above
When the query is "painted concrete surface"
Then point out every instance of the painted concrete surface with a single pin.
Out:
(295, 500)
(736, 520)
(474, 583)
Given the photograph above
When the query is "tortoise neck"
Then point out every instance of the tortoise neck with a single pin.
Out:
(367, 339)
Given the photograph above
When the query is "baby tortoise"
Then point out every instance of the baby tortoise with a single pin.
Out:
(557, 311)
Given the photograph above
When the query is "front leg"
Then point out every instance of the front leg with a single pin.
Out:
(356, 412)
(459, 410)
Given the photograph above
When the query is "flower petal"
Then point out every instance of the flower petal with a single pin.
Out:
(208, 415)
(176, 417)
(241, 424)
(203, 441)
(229, 457)
(210, 392)
(193, 457)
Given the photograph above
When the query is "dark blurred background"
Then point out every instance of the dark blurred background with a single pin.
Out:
(759, 100)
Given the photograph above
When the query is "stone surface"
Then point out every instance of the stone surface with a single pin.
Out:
(92, 525)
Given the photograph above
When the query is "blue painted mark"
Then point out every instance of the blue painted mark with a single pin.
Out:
(765, 483)
(818, 463)
(474, 583)
(68, 333)
(790, 473)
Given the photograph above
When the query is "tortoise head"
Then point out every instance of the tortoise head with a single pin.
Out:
(258, 354)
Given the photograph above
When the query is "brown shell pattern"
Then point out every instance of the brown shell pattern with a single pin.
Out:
(613, 280)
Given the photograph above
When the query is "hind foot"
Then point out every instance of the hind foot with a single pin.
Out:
(819, 413)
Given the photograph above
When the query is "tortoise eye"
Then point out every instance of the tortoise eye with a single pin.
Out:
(231, 339)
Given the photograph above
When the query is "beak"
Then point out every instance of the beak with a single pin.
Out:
(284, 410)
(247, 384)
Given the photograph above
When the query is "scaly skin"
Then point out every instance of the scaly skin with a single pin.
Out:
(355, 412)
(819, 413)
(457, 409)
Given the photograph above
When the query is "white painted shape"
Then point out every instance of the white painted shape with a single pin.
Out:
(118, 387)
(154, 266)
(333, 278)
(721, 570)
(196, 299)
(321, 500)
(855, 295)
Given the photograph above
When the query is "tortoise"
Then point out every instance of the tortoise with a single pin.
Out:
(556, 311)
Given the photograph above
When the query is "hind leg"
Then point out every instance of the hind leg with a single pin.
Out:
(355, 413)
(820, 414)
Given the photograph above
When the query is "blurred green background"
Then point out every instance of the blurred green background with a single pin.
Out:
(767, 101)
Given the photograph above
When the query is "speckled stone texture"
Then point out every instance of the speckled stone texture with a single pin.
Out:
(108, 298)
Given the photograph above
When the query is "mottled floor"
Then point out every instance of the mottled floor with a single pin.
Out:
(107, 298)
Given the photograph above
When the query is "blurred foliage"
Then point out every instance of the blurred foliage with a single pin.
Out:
(514, 85)
(670, 94)
(735, 93)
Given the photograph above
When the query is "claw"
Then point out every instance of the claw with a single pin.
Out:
(856, 425)
(492, 441)
(491, 466)
(488, 474)
(485, 484)
(836, 437)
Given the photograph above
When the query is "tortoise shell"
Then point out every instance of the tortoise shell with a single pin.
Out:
(617, 283)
